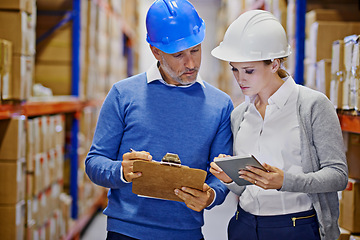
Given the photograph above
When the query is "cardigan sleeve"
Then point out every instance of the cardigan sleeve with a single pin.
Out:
(322, 148)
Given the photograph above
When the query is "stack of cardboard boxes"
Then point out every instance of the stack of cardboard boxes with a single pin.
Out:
(32, 202)
(345, 79)
(17, 25)
(12, 178)
(350, 198)
(323, 27)
(46, 214)
(88, 192)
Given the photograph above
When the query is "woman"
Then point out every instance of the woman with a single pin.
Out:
(292, 130)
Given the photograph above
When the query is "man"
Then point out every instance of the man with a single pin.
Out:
(167, 109)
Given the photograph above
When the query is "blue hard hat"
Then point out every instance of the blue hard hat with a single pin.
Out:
(174, 25)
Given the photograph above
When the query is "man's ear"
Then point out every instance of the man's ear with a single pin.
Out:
(156, 52)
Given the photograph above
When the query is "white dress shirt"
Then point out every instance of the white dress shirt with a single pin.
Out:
(153, 74)
(274, 140)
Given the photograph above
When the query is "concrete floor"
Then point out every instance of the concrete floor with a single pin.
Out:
(215, 228)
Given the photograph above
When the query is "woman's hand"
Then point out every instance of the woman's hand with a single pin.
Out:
(272, 179)
(218, 172)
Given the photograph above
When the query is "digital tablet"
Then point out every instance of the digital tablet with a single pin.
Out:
(232, 165)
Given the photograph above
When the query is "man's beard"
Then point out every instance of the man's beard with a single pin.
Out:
(166, 68)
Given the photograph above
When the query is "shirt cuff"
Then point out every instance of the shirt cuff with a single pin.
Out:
(122, 175)
(214, 198)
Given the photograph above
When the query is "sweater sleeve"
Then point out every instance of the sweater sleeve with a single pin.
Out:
(101, 164)
(323, 155)
(222, 144)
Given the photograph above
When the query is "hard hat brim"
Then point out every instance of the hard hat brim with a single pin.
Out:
(228, 54)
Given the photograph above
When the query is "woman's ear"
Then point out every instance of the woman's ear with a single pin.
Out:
(275, 65)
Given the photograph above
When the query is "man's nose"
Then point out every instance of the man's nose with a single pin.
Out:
(189, 62)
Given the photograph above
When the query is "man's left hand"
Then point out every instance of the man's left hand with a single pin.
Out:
(195, 199)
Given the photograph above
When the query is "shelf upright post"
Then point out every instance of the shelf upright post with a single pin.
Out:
(300, 41)
(75, 83)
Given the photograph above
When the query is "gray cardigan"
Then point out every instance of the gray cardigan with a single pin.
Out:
(322, 154)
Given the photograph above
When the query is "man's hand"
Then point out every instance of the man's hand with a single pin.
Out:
(195, 199)
(128, 161)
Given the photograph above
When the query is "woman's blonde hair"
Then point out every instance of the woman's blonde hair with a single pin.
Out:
(281, 71)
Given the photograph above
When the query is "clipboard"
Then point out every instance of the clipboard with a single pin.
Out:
(159, 180)
(232, 165)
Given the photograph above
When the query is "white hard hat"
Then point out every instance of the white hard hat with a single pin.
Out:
(254, 36)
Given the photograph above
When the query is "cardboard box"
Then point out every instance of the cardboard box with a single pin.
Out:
(30, 145)
(65, 207)
(12, 138)
(59, 130)
(37, 135)
(35, 209)
(354, 100)
(350, 213)
(19, 5)
(344, 234)
(329, 15)
(12, 181)
(18, 28)
(30, 232)
(348, 55)
(337, 73)
(38, 175)
(54, 76)
(310, 73)
(323, 34)
(58, 46)
(323, 76)
(22, 77)
(29, 191)
(5, 68)
(352, 155)
(12, 220)
(54, 4)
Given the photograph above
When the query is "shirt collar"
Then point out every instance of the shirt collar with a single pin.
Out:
(281, 96)
(153, 74)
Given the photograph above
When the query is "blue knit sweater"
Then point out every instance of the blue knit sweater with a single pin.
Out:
(193, 122)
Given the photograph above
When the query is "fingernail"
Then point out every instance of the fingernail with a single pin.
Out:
(176, 191)
(149, 157)
(183, 188)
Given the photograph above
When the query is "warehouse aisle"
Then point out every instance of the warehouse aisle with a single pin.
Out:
(215, 227)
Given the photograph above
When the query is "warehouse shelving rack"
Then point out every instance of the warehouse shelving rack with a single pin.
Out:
(69, 105)
(73, 16)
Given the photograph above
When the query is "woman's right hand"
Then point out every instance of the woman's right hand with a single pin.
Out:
(218, 172)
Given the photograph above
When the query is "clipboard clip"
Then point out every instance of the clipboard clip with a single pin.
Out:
(171, 159)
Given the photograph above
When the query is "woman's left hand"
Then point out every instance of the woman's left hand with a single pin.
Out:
(272, 179)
